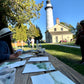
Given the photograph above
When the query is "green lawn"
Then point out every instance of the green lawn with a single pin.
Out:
(68, 43)
(70, 56)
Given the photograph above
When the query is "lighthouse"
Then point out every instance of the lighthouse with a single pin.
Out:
(49, 15)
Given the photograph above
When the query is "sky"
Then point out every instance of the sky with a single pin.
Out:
(69, 11)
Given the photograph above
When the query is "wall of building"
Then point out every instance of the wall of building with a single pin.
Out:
(67, 37)
(58, 28)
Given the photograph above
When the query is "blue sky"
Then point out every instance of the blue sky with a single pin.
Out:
(69, 11)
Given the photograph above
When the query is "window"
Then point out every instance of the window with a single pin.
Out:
(61, 29)
(54, 29)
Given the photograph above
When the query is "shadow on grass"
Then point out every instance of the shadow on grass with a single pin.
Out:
(72, 61)
(63, 49)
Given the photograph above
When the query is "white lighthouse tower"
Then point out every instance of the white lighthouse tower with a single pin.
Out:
(49, 15)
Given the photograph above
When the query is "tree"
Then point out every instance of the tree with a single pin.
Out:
(20, 33)
(78, 28)
(17, 12)
(40, 34)
(71, 28)
(32, 31)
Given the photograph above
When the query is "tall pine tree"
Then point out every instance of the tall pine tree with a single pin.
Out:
(40, 34)
(32, 31)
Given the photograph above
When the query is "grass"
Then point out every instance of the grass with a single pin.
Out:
(70, 56)
(68, 43)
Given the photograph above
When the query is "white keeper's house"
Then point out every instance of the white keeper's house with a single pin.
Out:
(58, 32)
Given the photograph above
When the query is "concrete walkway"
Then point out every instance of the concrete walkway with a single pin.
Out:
(68, 46)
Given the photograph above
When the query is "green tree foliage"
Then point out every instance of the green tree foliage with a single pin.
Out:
(20, 33)
(12, 29)
(40, 34)
(18, 12)
(71, 28)
(78, 28)
(32, 31)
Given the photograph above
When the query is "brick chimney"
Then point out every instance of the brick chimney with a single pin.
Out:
(57, 21)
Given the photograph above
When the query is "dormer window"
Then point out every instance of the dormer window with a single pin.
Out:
(61, 29)
(54, 29)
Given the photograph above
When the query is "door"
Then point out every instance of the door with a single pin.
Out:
(56, 39)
